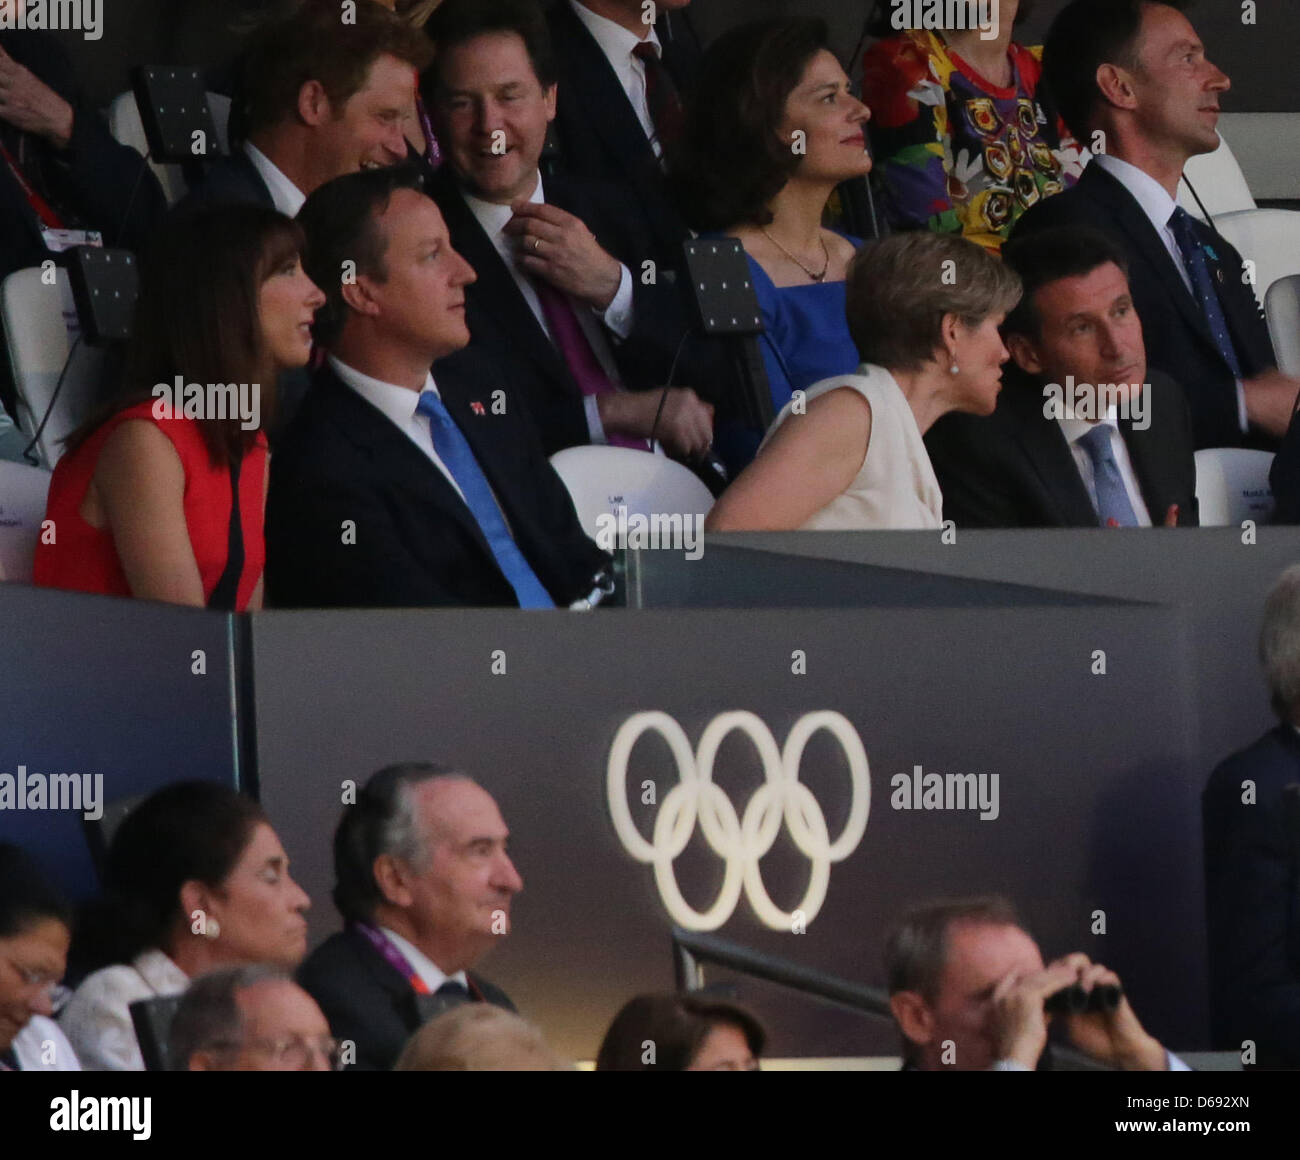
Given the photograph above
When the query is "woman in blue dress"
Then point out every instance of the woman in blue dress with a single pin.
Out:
(773, 129)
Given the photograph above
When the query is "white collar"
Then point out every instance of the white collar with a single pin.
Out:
(493, 217)
(157, 969)
(1075, 429)
(429, 972)
(288, 198)
(615, 41)
(1146, 190)
(398, 403)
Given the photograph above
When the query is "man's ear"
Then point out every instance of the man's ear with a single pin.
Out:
(1116, 85)
(550, 102)
(313, 104)
(359, 297)
(1025, 353)
(913, 1016)
(391, 878)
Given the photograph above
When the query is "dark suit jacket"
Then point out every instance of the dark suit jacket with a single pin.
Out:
(1014, 468)
(369, 1002)
(1178, 339)
(596, 128)
(100, 183)
(1252, 879)
(231, 180)
(416, 542)
(1284, 476)
(501, 321)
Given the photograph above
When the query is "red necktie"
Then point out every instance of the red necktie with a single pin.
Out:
(661, 96)
(576, 351)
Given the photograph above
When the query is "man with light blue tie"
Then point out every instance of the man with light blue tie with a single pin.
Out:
(1132, 79)
(411, 476)
(1084, 435)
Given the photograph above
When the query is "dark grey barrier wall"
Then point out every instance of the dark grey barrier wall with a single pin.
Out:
(104, 687)
(1098, 777)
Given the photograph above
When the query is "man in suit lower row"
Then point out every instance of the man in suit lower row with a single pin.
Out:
(398, 485)
(1131, 80)
(424, 885)
(1083, 435)
(561, 288)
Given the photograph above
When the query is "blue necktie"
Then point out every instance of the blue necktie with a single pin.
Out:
(455, 452)
(1108, 484)
(1198, 269)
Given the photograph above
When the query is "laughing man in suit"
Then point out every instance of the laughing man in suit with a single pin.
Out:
(1058, 451)
(424, 884)
(398, 485)
(1132, 80)
(320, 98)
(586, 336)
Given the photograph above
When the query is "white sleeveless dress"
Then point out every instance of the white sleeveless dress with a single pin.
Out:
(896, 486)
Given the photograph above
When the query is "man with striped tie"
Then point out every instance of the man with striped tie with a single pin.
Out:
(411, 476)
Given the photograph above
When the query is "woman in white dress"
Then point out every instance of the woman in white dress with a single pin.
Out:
(196, 879)
(847, 453)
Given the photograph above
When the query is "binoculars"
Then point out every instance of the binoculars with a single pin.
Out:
(1074, 1000)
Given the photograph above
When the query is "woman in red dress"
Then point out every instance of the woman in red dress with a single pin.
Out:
(161, 494)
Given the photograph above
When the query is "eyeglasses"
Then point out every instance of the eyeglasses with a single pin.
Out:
(41, 980)
(291, 1052)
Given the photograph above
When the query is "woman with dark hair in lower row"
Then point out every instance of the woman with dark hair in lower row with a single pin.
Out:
(196, 879)
(161, 494)
(681, 1033)
(773, 129)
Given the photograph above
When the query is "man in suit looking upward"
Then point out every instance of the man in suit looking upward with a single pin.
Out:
(1132, 81)
(581, 325)
(398, 485)
(319, 98)
(424, 884)
(1082, 434)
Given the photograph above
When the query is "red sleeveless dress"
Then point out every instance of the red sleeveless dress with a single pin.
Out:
(83, 559)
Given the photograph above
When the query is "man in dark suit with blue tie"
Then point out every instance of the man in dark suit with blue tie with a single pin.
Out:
(1251, 814)
(424, 884)
(398, 485)
(319, 97)
(1132, 81)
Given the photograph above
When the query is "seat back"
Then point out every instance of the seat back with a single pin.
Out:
(1219, 183)
(23, 490)
(41, 330)
(152, 1020)
(1232, 486)
(603, 479)
(125, 124)
(1270, 240)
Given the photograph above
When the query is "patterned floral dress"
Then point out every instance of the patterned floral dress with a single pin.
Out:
(955, 154)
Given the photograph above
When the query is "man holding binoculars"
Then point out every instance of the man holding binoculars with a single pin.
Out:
(969, 992)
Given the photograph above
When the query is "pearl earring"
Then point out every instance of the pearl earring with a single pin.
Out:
(955, 369)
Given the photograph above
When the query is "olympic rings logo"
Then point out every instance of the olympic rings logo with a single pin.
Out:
(739, 840)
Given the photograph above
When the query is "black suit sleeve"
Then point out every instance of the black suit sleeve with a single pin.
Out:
(976, 491)
(1251, 897)
(108, 184)
(1285, 476)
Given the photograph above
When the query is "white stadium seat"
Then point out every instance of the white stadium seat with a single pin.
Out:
(22, 508)
(603, 479)
(1270, 238)
(1232, 486)
(41, 329)
(1219, 182)
(125, 125)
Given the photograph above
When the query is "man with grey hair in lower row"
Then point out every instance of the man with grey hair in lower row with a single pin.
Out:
(424, 884)
(1251, 815)
(250, 1018)
(969, 992)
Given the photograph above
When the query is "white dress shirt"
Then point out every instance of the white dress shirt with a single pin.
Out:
(617, 43)
(42, 1046)
(1159, 208)
(97, 1018)
(1075, 429)
(428, 971)
(398, 405)
(618, 316)
(288, 198)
